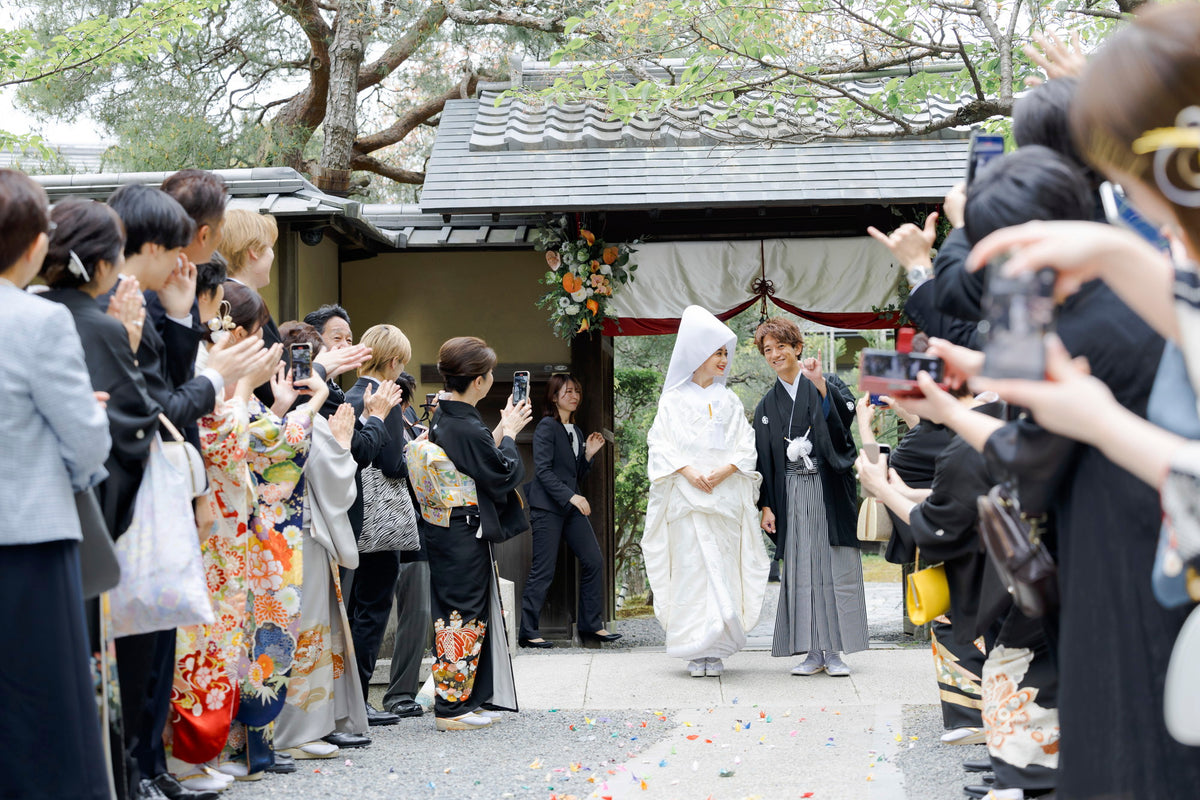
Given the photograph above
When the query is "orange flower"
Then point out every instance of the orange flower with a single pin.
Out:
(595, 266)
(583, 326)
(552, 259)
(572, 283)
(610, 254)
(264, 661)
(587, 236)
(593, 306)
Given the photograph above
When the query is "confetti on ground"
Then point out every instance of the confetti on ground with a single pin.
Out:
(662, 763)
(537, 764)
(725, 772)
(693, 736)
(349, 763)
(695, 766)
(737, 759)
(644, 786)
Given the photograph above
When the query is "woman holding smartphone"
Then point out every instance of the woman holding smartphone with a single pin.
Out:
(561, 457)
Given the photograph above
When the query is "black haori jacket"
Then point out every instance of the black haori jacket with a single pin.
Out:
(833, 446)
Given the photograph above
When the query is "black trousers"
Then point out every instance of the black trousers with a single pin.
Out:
(413, 627)
(548, 528)
(51, 732)
(368, 606)
(146, 668)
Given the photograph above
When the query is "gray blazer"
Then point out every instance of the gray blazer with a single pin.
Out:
(53, 434)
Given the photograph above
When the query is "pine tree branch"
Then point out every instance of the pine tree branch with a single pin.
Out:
(372, 164)
(415, 117)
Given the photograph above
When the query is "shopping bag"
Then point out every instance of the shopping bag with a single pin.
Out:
(162, 575)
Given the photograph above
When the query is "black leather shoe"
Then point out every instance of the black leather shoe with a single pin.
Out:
(599, 637)
(377, 717)
(146, 790)
(542, 645)
(174, 790)
(976, 791)
(346, 739)
(980, 765)
(283, 764)
(407, 708)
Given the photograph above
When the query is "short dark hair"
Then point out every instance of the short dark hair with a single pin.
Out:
(1030, 183)
(462, 360)
(783, 330)
(320, 318)
(24, 215)
(246, 308)
(202, 194)
(151, 216)
(553, 386)
(211, 274)
(90, 230)
(1042, 116)
(293, 332)
(408, 388)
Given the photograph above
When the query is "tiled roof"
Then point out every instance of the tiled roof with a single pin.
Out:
(462, 179)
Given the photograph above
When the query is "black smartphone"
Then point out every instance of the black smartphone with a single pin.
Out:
(520, 386)
(300, 360)
(895, 374)
(874, 450)
(1018, 312)
(984, 147)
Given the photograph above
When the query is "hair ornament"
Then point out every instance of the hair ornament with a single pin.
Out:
(1179, 147)
(222, 321)
(76, 268)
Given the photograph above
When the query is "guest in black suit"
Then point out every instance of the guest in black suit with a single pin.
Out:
(561, 457)
(369, 600)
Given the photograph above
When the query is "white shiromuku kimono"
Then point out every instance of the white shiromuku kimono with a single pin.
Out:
(703, 552)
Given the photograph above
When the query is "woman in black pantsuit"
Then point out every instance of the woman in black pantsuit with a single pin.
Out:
(561, 457)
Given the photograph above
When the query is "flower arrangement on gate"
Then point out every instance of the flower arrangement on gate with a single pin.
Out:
(584, 274)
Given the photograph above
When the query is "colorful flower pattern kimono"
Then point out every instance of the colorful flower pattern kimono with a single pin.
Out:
(203, 697)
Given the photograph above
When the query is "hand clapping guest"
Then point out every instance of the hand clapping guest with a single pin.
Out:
(55, 438)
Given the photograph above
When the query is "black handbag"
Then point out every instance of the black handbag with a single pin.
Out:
(1014, 544)
(97, 556)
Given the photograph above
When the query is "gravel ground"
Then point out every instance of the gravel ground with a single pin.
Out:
(531, 754)
(932, 770)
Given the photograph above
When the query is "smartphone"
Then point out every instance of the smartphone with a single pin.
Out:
(520, 386)
(1118, 211)
(895, 374)
(1018, 312)
(984, 147)
(874, 450)
(876, 400)
(300, 360)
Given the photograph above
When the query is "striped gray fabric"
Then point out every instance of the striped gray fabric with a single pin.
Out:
(389, 519)
(822, 604)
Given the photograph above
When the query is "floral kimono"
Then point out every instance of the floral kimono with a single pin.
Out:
(203, 699)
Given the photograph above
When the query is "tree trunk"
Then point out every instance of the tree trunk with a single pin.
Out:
(341, 106)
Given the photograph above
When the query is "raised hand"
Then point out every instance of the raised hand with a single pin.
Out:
(283, 390)
(514, 418)
(811, 369)
(594, 442)
(343, 359)
(179, 292)
(236, 360)
(128, 306)
(909, 244)
(1056, 58)
(341, 425)
(380, 402)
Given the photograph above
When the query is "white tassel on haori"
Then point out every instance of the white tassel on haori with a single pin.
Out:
(800, 448)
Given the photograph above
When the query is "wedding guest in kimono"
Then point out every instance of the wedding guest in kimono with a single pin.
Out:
(324, 693)
(54, 437)
(384, 511)
(86, 254)
(805, 452)
(156, 230)
(561, 458)
(204, 696)
(465, 478)
(702, 546)
(278, 447)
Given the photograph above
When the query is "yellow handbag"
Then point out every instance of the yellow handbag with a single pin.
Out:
(874, 524)
(928, 595)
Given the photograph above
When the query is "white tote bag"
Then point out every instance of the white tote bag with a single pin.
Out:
(162, 575)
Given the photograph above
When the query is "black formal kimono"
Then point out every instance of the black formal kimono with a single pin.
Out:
(822, 603)
(558, 467)
(465, 600)
(1114, 638)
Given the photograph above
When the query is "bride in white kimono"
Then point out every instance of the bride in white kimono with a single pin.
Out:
(702, 546)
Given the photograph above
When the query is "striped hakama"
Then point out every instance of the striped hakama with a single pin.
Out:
(822, 604)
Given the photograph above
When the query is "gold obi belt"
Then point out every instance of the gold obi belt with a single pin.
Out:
(437, 483)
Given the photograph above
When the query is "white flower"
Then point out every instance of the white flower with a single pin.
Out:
(579, 296)
(590, 291)
(289, 598)
(605, 269)
(563, 302)
(571, 310)
(293, 535)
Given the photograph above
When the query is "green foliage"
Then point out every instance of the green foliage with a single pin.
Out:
(789, 60)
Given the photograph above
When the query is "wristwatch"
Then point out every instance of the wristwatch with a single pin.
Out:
(917, 275)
